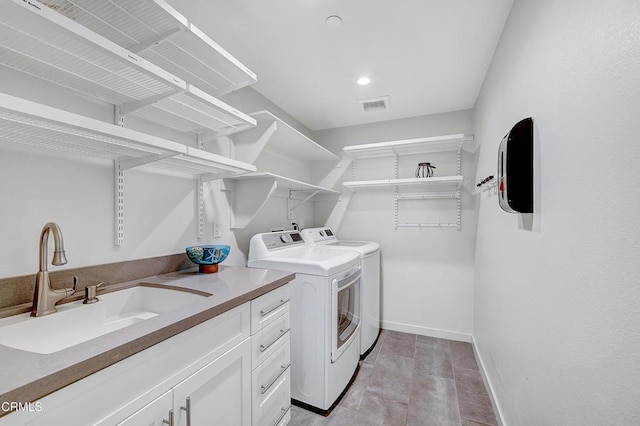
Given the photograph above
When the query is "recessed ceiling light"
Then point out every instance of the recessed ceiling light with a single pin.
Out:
(333, 21)
(363, 81)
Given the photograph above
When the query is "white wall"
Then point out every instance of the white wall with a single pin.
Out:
(427, 274)
(556, 310)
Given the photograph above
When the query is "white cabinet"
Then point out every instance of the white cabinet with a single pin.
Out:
(271, 358)
(230, 370)
(153, 414)
(219, 393)
(414, 188)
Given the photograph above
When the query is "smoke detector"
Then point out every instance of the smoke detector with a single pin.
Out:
(374, 104)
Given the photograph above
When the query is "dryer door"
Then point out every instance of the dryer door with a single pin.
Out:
(345, 315)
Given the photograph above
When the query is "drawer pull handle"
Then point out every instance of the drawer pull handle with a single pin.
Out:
(282, 333)
(282, 302)
(170, 421)
(284, 411)
(265, 388)
(188, 410)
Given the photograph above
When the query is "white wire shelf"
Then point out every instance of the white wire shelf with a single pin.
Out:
(159, 33)
(37, 40)
(26, 122)
(438, 183)
(410, 146)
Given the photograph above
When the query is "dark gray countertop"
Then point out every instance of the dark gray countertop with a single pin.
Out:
(27, 376)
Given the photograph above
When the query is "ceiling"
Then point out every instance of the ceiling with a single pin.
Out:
(428, 56)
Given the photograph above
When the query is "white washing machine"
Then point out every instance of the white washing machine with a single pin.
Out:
(369, 252)
(325, 313)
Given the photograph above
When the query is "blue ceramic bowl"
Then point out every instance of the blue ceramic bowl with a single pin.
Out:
(208, 257)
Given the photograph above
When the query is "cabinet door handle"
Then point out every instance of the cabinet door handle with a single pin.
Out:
(170, 421)
(282, 333)
(265, 388)
(188, 410)
(284, 411)
(282, 302)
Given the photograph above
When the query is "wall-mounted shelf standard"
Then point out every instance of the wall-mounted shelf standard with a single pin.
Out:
(39, 41)
(26, 122)
(273, 133)
(251, 191)
(438, 187)
(163, 36)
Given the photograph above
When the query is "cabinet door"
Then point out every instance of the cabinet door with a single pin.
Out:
(217, 394)
(153, 414)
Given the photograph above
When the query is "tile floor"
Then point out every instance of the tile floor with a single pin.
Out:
(411, 380)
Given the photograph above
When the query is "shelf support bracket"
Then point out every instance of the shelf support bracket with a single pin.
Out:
(128, 107)
(141, 47)
(249, 151)
(131, 163)
(210, 135)
(291, 207)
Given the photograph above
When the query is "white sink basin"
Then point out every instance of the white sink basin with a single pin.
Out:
(75, 323)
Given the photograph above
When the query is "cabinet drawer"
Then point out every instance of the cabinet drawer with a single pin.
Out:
(269, 339)
(275, 410)
(268, 307)
(271, 377)
(272, 389)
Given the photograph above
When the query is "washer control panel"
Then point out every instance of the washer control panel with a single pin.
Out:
(278, 240)
(318, 235)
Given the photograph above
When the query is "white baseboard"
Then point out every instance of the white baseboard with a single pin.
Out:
(487, 384)
(426, 331)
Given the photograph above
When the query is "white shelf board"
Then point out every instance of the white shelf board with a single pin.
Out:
(285, 139)
(439, 183)
(159, 33)
(41, 42)
(249, 193)
(410, 146)
(286, 183)
(26, 122)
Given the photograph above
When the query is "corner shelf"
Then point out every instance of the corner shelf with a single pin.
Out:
(439, 187)
(276, 134)
(26, 122)
(162, 35)
(251, 192)
(39, 41)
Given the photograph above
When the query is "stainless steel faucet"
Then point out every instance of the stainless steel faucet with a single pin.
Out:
(44, 297)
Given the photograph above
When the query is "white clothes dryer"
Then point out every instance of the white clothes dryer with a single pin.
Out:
(369, 252)
(325, 314)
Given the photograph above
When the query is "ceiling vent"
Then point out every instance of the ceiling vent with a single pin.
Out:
(375, 104)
